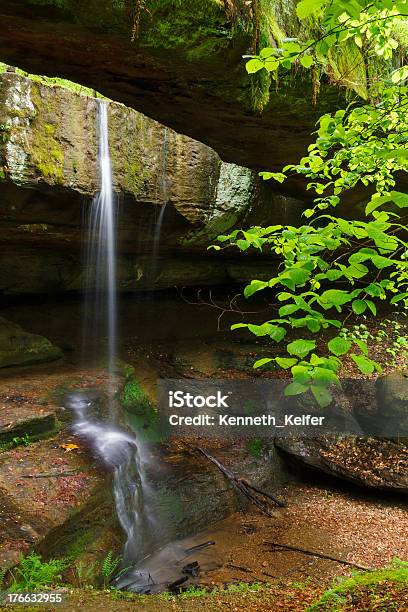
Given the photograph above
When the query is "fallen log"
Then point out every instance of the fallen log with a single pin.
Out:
(314, 553)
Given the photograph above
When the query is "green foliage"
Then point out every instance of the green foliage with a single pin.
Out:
(109, 569)
(3, 572)
(33, 573)
(370, 27)
(337, 597)
(332, 267)
(391, 335)
(16, 441)
(5, 129)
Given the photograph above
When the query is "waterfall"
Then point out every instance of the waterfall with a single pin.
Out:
(101, 278)
(114, 447)
(117, 451)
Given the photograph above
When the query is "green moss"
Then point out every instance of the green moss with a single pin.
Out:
(256, 447)
(111, 15)
(5, 132)
(134, 398)
(335, 598)
(134, 177)
(347, 64)
(141, 415)
(54, 82)
(45, 150)
(195, 27)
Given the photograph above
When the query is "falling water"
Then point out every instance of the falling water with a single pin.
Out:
(112, 446)
(164, 188)
(157, 233)
(147, 566)
(101, 309)
(117, 451)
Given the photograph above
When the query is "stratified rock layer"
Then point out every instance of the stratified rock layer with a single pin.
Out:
(49, 174)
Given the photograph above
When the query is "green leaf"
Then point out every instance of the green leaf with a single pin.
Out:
(359, 306)
(301, 347)
(381, 262)
(400, 199)
(288, 309)
(357, 270)
(307, 61)
(334, 297)
(301, 374)
(295, 276)
(312, 324)
(262, 362)
(371, 306)
(306, 8)
(339, 346)
(334, 275)
(375, 202)
(272, 64)
(295, 388)
(254, 65)
(399, 297)
(277, 333)
(364, 364)
(267, 329)
(285, 362)
(362, 346)
(256, 285)
(324, 376)
(243, 245)
(267, 52)
(322, 395)
(238, 326)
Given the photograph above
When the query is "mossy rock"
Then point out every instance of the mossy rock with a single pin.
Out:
(18, 347)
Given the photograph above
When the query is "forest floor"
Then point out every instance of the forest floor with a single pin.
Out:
(243, 572)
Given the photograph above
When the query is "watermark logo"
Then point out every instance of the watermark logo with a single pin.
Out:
(181, 399)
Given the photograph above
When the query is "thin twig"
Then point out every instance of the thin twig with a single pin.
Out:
(314, 553)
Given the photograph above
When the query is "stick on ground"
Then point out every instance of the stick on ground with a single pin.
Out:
(314, 553)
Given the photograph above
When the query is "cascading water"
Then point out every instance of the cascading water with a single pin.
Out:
(101, 278)
(158, 232)
(114, 447)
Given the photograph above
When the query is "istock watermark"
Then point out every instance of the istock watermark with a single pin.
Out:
(245, 408)
(179, 399)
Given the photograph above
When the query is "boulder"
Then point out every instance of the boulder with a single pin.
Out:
(18, 347)
(369, 462)
(392, 404)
